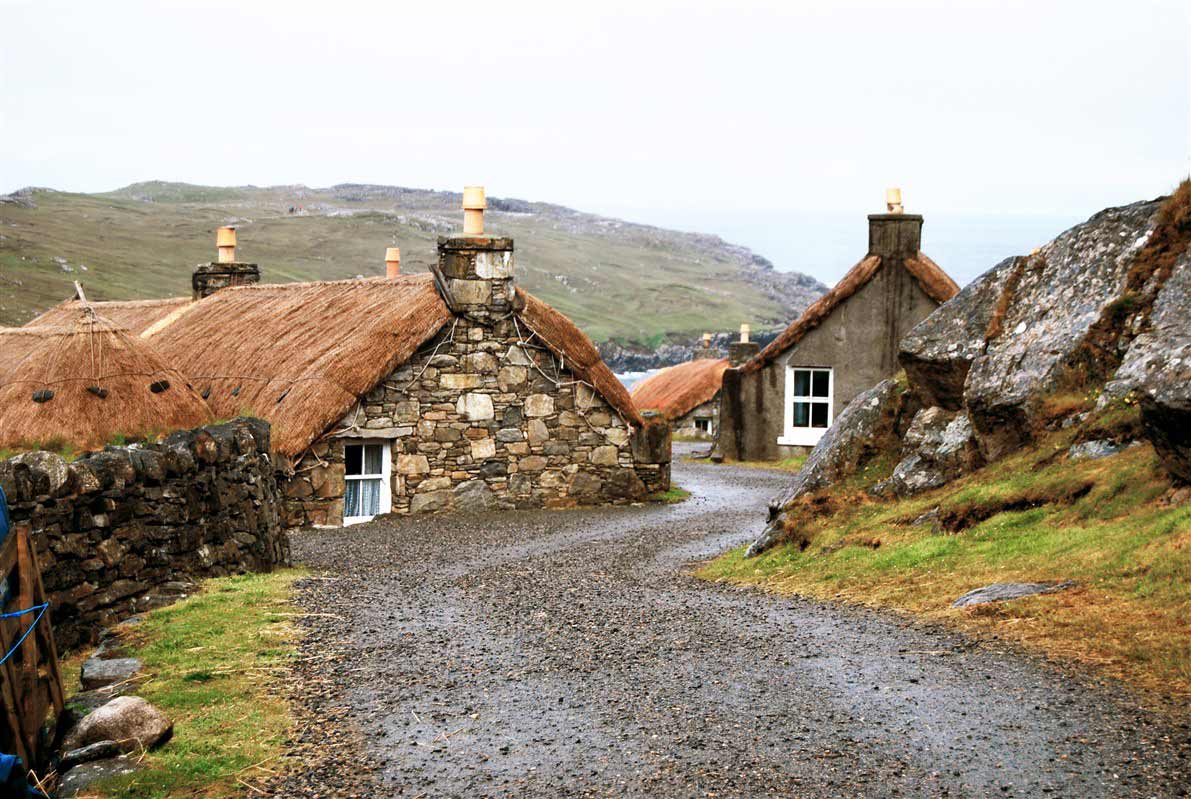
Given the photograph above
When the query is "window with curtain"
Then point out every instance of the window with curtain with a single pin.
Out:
(364, 476)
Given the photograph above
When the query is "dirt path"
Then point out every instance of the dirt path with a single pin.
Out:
(568, 654)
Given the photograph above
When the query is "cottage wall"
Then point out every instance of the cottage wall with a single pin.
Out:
(116, 530)
(485, 417)
(858, 340)
(685, 425)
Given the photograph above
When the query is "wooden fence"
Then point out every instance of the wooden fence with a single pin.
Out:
(30, 680)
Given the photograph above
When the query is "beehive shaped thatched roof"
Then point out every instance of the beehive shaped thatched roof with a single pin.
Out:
(87, 381)
(930, 277)
(677, 390)
(136, 316)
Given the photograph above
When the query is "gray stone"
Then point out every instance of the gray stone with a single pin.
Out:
(81, 777)
(474, 496)
(605, 456)
(1000, 592)
(512, 417)
(1093, 450)
(476, 407)
(938, 447)
(430, 502)
(857, 434)
(130, 721)
(494, 468)
(585, 486)
(509, 434)
(101, 750)
(98, 673)
(539, 405)
(624, 484)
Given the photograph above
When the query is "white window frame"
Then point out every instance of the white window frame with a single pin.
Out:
(386, 487)
(806, 436)
(704, 421)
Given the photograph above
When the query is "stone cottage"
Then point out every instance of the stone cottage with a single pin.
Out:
(781, 401)
(411, 393)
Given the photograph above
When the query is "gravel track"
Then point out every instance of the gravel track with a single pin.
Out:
(549, 654)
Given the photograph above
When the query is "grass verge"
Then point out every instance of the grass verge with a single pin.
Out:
(1115, 525)
(793, 464)
(672, 495)
(213, 662)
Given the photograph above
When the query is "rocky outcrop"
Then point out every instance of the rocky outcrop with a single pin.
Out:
(1002, 592)
(938, 447)
(865, 427)
(116, 528)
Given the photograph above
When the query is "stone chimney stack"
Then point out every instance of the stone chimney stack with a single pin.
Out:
(741, 352)
(706, 350)
(894, 234)
(225, 270)
(392, 262)
(474, 273)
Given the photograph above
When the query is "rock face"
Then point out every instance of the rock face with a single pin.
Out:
(859, 432)
(78, 779)
(100, 673)
(938, 447)
(130, 721)
(115, 527)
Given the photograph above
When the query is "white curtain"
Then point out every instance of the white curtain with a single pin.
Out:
(361, 498)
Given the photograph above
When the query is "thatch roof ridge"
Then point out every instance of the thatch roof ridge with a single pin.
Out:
(580, 355)
(86, 382)
(679, 389)
(135, 315)
(930, 277)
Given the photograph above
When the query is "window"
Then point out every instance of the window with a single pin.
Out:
(366, 481)
(808, 405)
(703, 425)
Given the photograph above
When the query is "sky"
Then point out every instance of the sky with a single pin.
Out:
(777, 125)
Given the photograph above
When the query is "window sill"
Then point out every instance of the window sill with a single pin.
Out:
(350, 520)
(802, 438)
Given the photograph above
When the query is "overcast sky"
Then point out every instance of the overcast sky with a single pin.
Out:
(651, 110)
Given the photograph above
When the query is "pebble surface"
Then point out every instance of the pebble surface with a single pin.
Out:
(570, 653)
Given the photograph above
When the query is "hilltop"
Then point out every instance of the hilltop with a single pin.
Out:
(620, 281)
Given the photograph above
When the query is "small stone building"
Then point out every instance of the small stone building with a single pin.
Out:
(780, 402)
(411, 393)
(687, 395)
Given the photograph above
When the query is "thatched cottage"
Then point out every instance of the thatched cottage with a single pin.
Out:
(409, 393)
(86, 381)
(687, 395)
(780, 402)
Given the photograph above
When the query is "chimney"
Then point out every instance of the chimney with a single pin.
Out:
(225, 270)
(474, 273)
(741, 352)
(392, 262)
(706, 351)
(894, 234)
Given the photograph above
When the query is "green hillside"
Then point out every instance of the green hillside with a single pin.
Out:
(616, 279)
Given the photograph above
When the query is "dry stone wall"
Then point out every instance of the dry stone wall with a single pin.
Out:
(485, 417)
(117, 530)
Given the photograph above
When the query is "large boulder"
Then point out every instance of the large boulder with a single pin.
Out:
(939, 350)
(864, 428)
(130, 721)
(938, 447)
(1059, 295)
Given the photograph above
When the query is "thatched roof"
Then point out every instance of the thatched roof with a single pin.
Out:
(136, 316)
(579, 355)
(677, 390)
(936, 283)
(95, 380)
(299, 354)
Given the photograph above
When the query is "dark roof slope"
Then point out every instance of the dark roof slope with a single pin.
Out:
(936, 283)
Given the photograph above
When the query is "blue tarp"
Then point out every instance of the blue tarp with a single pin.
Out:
(4, 525)
(12, 780)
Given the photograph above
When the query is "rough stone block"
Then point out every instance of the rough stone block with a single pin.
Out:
(412, 464)
(459, 381)
(476, 407)
(483, 448)
(538, 405)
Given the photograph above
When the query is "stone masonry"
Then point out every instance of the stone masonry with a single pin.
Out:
(118, 530)
(485, 417)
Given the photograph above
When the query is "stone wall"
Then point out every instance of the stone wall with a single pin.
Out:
(115, 528)
(685, 425)
(484, 417)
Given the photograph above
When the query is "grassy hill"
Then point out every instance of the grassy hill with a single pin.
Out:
(616, 279)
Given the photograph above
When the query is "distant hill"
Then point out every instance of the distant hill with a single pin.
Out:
(618, 280)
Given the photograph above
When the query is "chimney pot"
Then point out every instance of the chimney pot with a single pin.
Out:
(744, 333)
(392, 262)
(474, 203)
(225, 243)
(893, 201)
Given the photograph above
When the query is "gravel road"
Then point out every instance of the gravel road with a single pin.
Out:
(570, 653)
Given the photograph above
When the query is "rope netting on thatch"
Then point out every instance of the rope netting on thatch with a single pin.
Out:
(300, 354)
(936, 283)
(86, 382)
(677, 390)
